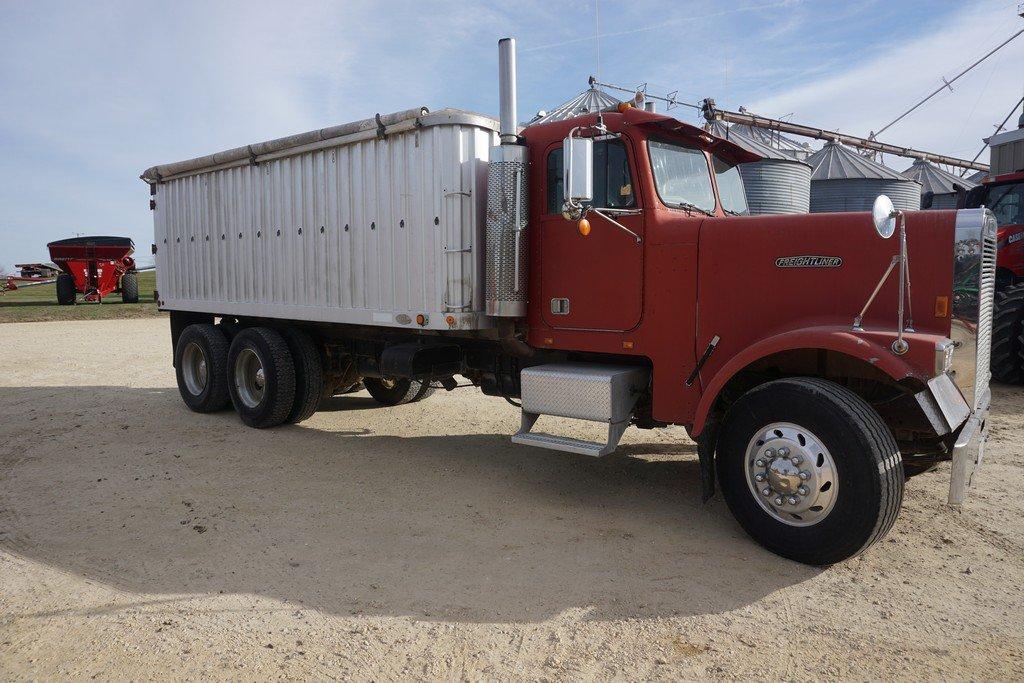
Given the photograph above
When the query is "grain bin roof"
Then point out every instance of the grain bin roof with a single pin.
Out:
(934, 179)
(836, 161)
(734, 134)
(589, 101)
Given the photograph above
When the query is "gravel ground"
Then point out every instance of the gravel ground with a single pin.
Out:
(141, 541)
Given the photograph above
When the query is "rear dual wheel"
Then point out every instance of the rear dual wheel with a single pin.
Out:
(271, 377)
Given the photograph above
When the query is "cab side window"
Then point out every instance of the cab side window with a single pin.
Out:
(613, 185)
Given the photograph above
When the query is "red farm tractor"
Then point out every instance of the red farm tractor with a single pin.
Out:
(1004, 196)
(95, 267)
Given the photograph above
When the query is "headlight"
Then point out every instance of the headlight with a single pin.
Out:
(944, 356)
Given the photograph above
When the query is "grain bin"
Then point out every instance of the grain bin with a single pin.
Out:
(590, 101)
(842, 180)
(941, 184)
(778, 183)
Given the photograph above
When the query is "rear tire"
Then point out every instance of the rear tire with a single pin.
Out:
(309, 374)
(200, 364)
(130, 288)
(261, 377)
(838, 452)
(395, 392)
(1008, 336)
(65, 290)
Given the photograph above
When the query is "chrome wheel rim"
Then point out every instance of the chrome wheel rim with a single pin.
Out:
(194, 369)
(250, 379)
(791, 474)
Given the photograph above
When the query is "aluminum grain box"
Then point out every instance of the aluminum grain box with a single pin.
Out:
(373, 222)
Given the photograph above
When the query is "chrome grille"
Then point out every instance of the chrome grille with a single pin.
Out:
(986, 298)
(974, 275)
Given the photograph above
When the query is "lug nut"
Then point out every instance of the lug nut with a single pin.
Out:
(779, 501)
(802, 490)
(805, 475)
(770, 452)
(766, 491)
(795, 460)
(792, 500)
(783, 451)
(759, 476)
(760, 462)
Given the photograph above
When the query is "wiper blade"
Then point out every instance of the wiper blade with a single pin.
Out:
(694, 207)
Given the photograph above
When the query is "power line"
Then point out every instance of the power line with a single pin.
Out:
(947, 84)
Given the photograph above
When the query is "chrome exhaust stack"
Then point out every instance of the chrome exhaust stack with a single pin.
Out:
(508, 206)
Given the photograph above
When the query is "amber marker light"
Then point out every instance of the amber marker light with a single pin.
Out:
(942, 307)
(421, 320)
(623, 106)
(450, 320)
(583, 226)
(627, 344)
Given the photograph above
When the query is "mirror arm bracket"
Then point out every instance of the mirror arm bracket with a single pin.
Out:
(620, 226)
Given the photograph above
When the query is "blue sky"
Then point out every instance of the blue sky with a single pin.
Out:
(91, 93)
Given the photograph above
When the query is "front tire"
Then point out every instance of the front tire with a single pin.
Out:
(261, 377)
(200, 363)
(809, 470)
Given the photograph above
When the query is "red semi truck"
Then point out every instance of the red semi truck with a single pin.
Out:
(600, 268)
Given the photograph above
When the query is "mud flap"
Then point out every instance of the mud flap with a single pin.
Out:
(706, 457)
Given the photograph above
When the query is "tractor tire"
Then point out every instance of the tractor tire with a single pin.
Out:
(200, 363)
(809, 470)
(261, 377)
(130, 288)
(66, 290)
(395, 392)
(1008, 336)
(309, 374)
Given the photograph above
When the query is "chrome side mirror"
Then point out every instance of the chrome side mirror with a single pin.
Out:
(577, 174)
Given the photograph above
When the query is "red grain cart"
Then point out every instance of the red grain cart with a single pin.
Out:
(95, 267)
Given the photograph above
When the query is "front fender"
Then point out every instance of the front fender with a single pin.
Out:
(871, 347)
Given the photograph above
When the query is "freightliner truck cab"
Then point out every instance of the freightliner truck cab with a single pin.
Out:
(602, 269)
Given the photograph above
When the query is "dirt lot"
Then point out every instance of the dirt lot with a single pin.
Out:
(141, 541)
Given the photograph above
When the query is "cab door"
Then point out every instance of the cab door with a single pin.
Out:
(593, 282)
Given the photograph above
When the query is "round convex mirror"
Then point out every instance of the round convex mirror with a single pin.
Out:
(883, 214)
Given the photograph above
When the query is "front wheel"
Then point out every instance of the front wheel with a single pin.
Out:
(65, 289)
(809, 470)
(130, 288)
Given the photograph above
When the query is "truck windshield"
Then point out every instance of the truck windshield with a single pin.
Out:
(730, 188)
(681, 176)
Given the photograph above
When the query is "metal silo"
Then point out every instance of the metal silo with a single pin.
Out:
(842, 180)
(941, 184)
(589, 101)
(776, 184)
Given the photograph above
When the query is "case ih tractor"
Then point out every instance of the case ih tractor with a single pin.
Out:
(95, 267)
(1003, 195)
(599, 268)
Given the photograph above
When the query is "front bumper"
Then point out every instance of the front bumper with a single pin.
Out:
(969, 450)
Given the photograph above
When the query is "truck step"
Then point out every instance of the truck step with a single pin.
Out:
(583, 391)
(563, 443)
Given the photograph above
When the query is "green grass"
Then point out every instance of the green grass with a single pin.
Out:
(38, 304)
